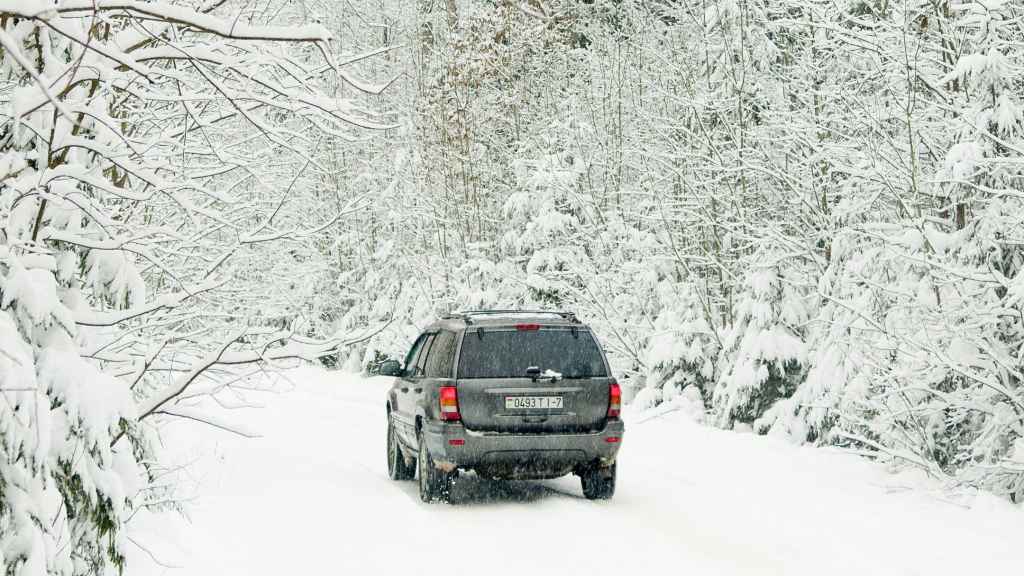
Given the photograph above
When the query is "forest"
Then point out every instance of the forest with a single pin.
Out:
(809, 215)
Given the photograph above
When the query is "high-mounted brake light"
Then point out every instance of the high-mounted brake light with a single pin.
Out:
(449, 403)
(614, 400)
(527, 327)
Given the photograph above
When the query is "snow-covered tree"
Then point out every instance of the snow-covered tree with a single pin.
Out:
(764, 353)
(683, 348)
(144, 147)
(543, 216)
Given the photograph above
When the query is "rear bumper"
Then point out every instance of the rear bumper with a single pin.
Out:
(452, 446)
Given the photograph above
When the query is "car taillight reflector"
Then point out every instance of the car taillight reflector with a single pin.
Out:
(614, 400)
(527, 327)
(449, 403)
(457, 442)
(612, 439)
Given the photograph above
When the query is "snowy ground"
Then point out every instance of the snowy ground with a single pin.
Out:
(312, 496)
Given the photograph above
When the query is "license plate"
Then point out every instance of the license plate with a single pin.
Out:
(533, 402)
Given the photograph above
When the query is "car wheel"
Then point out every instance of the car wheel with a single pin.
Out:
(434, 484)
(598, 482)
(398, 469)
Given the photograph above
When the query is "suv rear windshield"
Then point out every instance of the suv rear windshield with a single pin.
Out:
(508, 353)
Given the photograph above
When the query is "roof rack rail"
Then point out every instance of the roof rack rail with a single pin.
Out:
(467, 315)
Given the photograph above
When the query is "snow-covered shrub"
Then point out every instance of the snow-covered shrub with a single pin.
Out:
(647, 398)
(672, 398)
(839, 371)
(764, 354)
(683, 347)
(918, 355)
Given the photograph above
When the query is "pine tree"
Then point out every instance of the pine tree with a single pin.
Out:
(682, 349)
(764, 354)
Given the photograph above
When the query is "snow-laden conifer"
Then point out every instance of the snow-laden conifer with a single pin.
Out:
(764, 353)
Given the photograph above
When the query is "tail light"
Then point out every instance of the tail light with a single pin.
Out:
(614, 400)
(450, 404)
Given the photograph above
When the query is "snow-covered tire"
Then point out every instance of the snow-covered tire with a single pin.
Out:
(434, 484)
(398, 469)
(598, 482)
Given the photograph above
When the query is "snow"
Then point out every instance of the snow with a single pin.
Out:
(553, 375)
(516, 315)
(312, 496)
(35, 291)
(179, 14)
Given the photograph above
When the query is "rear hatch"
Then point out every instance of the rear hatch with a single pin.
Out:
(529, 378)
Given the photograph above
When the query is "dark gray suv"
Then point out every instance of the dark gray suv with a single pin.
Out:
(507, 394)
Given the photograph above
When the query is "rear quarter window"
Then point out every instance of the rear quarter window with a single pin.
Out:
(418, 367)
(508, 353)
(439, 363)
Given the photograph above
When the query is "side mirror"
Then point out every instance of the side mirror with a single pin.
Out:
(390, 368)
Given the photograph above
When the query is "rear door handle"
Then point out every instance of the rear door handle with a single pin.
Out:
(405, 388)
(417, 390)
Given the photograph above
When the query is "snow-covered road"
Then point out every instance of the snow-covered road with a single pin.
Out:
(312, 497)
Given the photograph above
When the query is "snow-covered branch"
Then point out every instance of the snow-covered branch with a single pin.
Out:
(169, 13)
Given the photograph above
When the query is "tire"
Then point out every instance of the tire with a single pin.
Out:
(598, 482)
(398, 469)
(434, 484)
